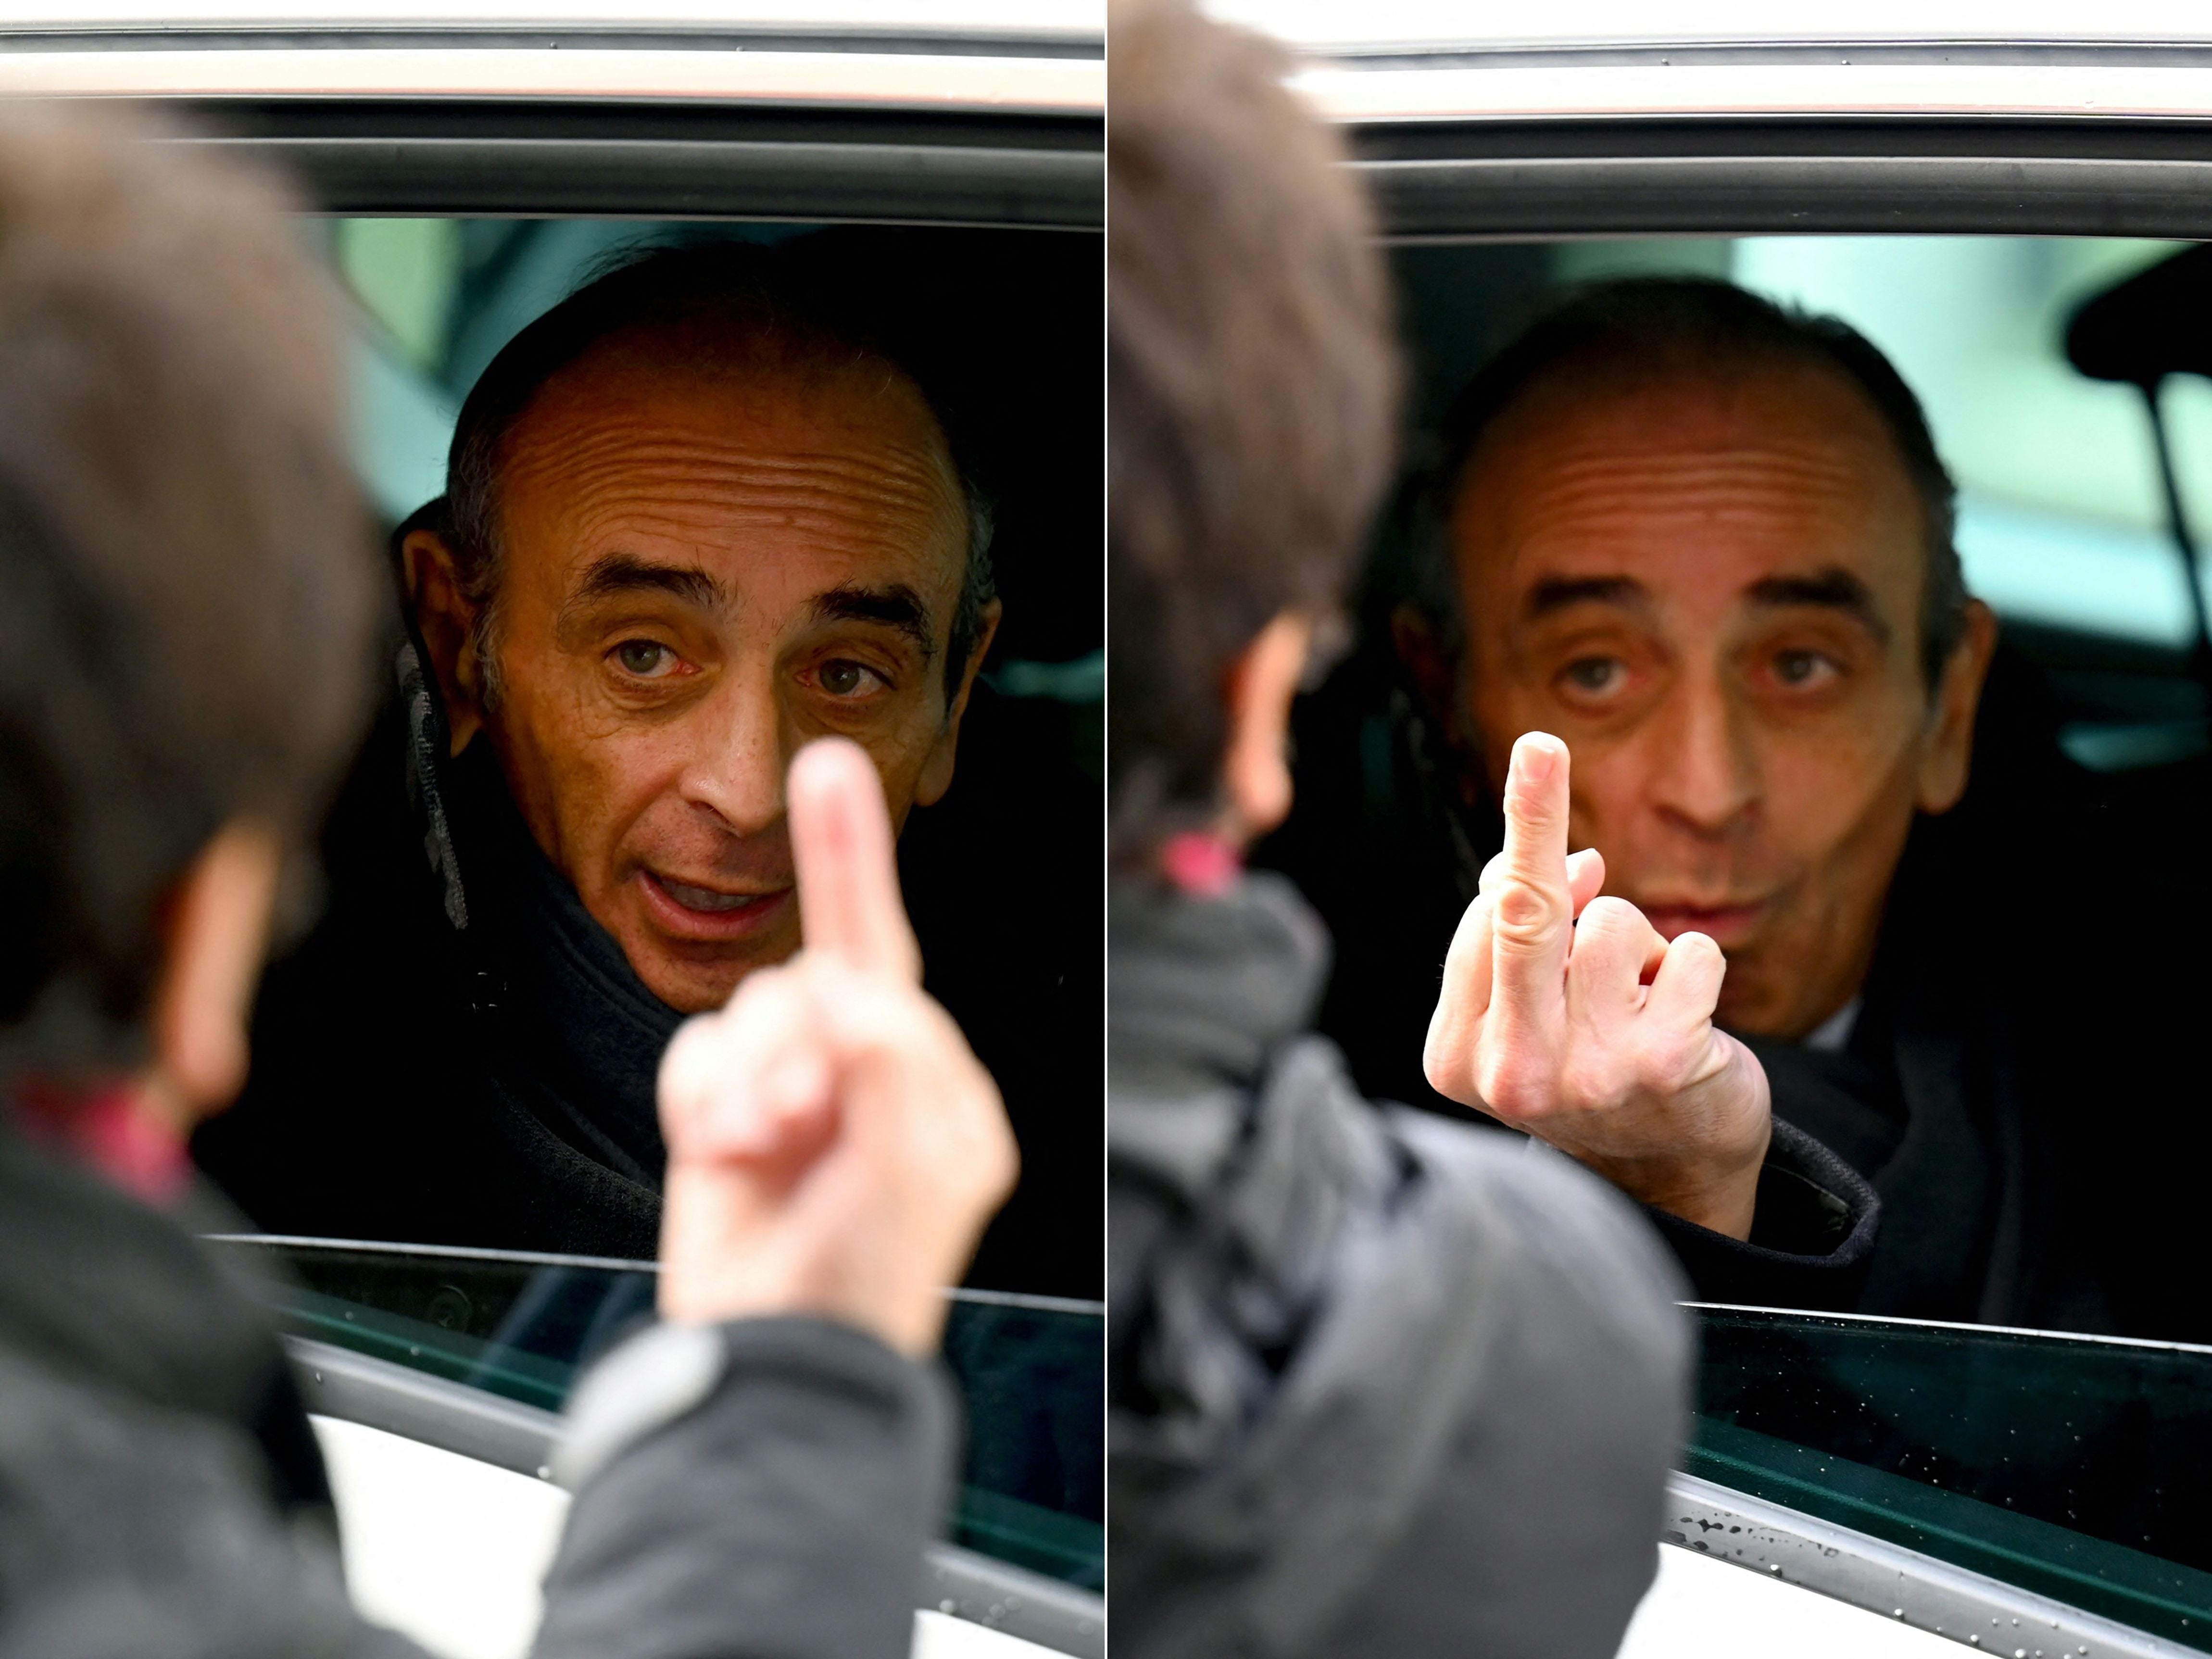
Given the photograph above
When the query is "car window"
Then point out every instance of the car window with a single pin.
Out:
(1000, 877)
(1029, 1369)
(1996, 1478)
(999, 873)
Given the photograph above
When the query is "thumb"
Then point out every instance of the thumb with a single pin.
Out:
(841, 847)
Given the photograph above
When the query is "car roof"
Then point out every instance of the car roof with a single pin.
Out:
(998, 56)
(1421, 60)
(1421, 26)
(1074, 20)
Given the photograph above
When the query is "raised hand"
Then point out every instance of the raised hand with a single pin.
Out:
(833, 1147)
(1569, 1016)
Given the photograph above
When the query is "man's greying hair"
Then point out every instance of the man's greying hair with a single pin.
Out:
(1251, 389)
(186, 580)
(753, 292)
(1654, 327)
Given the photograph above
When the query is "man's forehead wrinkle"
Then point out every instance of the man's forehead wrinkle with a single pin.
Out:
(1792, 477)
(609, 484)
(859, 427)
(888, 474)
(1592, 506)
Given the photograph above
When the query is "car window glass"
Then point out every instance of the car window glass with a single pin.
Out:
(1029, 1369)
(2076, 1469)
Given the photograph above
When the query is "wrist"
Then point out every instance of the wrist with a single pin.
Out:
(1719, 1192)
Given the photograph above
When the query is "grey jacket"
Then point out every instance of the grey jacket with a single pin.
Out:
(161, 1493)
(1379, 1383)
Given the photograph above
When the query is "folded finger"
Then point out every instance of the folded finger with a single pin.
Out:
(1585, 877)
(1614, 949)
(730, 1069)
(1687, 986)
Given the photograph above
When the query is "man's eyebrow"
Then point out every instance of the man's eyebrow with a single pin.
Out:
(1832, 589)
(625, 573)
(896, 606)
(1558, 593)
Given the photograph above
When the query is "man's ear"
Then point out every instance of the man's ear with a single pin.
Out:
(212, 947)
(1262, 682)
(1946, 749)
(1429, 666)
(447, 622)
(937, 769)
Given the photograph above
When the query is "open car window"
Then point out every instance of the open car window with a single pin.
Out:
(2022, 1491)
(999, 874)
(450, 1337)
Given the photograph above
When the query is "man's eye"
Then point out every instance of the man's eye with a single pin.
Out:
(841, 678)
(1799, 669)
(648, 660)
(1596, 677)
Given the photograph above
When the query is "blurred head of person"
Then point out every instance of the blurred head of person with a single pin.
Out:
(1252, 387)
(185, 599)
(695, 518)
(1708, 543)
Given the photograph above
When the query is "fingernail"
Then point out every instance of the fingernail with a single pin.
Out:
(1538, 756)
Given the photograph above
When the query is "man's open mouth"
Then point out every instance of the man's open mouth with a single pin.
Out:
(686, 909)
(705, 898)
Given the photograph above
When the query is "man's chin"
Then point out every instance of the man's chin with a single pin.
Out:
(1750, 1008)
(692, 987)
(696, 977)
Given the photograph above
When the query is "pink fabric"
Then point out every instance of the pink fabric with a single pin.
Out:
(111, 1127)
(1200, 863)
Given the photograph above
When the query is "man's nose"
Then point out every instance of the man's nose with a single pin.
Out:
(736, 771)
(1705, 772)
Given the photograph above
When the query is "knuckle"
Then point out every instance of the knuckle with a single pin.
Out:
(1588, 1085)
(1696, 951)
(1445, 1073)
(1607, 914)
(1523, 913)
(1513, 1089)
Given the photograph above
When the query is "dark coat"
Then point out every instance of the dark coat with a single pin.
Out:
(165, 1494)
(459, 1055)
(1378, 1384)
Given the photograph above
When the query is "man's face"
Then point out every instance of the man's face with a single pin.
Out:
(1710, 587)
(702, 571)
